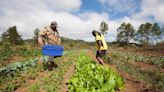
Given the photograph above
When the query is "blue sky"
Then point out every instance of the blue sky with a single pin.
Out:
(92, 6)
(77, 18)
(115, 13)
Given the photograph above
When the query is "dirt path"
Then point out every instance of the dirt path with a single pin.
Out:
(67, 76)
(131, 84)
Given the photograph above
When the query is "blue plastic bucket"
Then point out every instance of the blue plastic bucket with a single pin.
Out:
(52, 50)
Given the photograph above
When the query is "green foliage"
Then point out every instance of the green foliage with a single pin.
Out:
(104, 27)
(125, 33)
(13, 36)
(22, 51)
(91, 77)
(162, 34)
(36, 32)
(154, 60)
(15, 67)
(6, 52)
(34, 88)
(5, 37)
(154, 77)
(155, 32)
(148, 33)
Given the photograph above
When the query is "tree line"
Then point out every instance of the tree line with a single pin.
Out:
(12, 37)
(146, 34)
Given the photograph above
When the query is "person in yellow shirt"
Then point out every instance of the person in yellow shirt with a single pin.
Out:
(101, 46)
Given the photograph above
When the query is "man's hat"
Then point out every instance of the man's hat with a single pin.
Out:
(54, 23)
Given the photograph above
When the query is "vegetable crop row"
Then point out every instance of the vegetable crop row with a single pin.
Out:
(91, 77)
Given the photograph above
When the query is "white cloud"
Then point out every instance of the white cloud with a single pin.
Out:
(39, 15)
(129, 6)
(154, 8)
(28, 15)
(34, 5)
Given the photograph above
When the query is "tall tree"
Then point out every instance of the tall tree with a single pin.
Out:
(143, 34)
(125, 33)
(36, 32)
(5, 38)
(14, 36)
(162, 33)
(155, 33)
(104, 27)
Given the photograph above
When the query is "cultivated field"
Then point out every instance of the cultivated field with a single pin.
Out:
(126, 70)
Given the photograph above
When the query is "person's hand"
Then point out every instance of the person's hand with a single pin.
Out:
(99, 51)
(42, 45)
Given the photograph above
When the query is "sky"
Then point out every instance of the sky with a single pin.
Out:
(77, 18)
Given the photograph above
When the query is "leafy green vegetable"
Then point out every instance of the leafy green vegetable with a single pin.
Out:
(91, 77)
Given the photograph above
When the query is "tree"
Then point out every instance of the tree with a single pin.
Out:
(14, 37)
(104, 27)
(125, 33)
(162, 33)
(155, 32)
(143, 34)
(36, 32)
(4, 37)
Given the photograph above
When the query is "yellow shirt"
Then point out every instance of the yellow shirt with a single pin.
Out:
(102, 39)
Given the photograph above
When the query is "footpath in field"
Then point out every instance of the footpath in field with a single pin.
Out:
(69, 72)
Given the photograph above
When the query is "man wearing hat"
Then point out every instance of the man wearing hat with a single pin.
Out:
(49, 35)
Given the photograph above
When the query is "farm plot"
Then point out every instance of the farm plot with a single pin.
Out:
(92, 77)
(144, 68)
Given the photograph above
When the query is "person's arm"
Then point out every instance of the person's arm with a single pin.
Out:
(41, 37)
(99, 44)
(40, 40)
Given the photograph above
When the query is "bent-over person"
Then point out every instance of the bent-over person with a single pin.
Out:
(49, 36)
(101, 46)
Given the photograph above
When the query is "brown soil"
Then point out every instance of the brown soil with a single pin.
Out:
(67, 76)
(131, 84)
(92, 56)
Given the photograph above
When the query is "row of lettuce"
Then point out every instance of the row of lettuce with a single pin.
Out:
(153, 60)
(92, 77)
